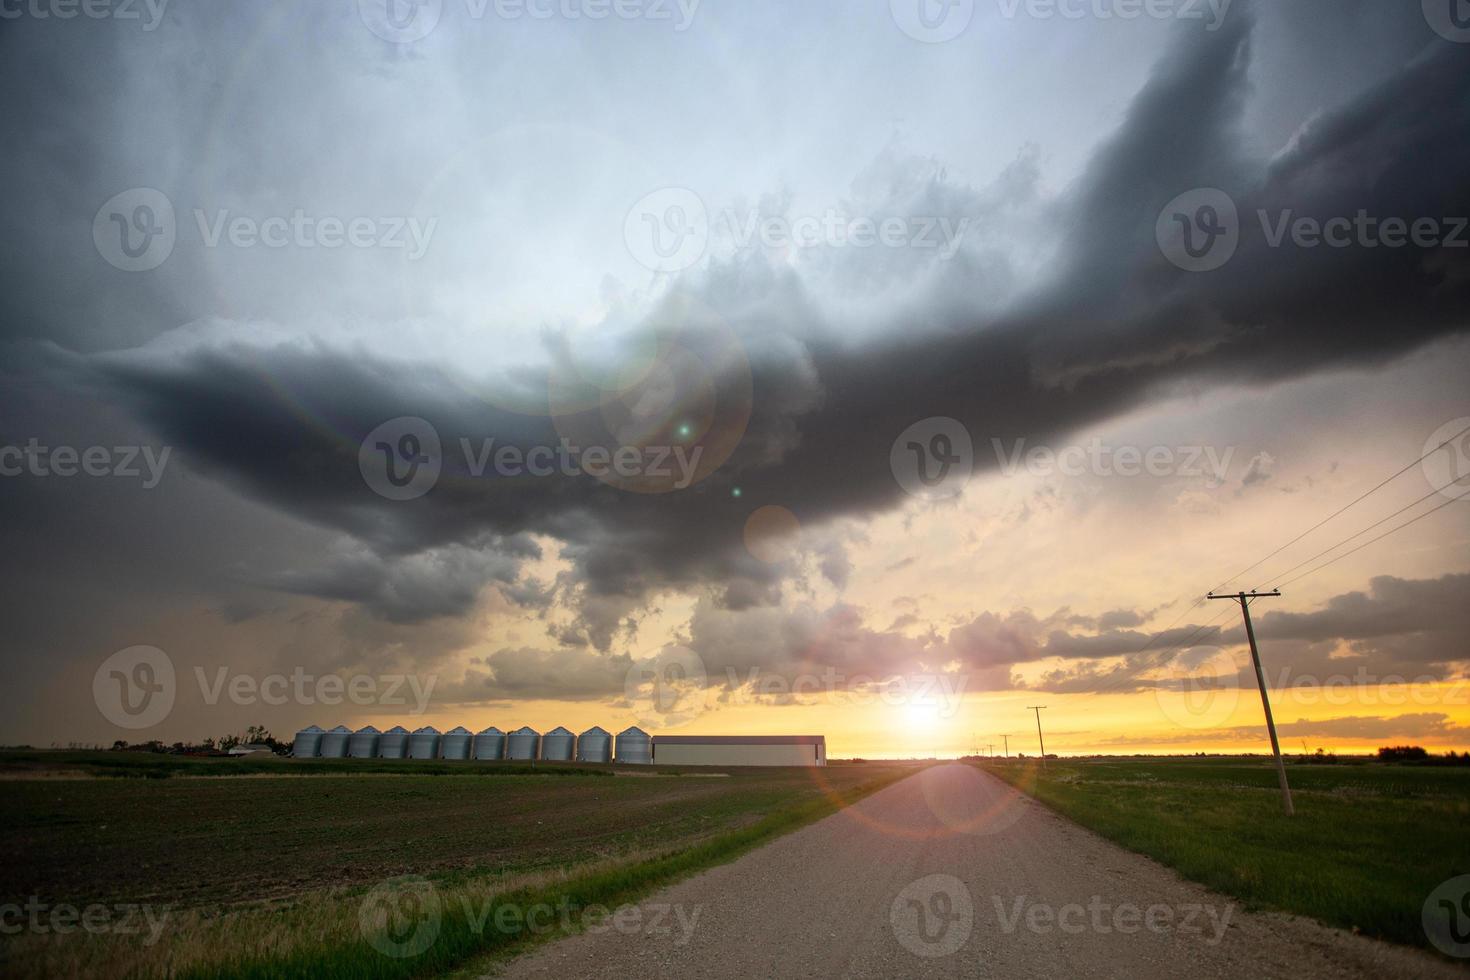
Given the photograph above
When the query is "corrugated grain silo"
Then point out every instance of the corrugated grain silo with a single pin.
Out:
(364, 743)
(594, 745)
(490, 744)
(635, 746)
(557, 745)
(308, 743)
(424, 743)
(457, 743)
(394, 743)
(334, 742)
(522, 743)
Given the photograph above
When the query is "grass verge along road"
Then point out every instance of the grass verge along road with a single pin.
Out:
(1367, 845)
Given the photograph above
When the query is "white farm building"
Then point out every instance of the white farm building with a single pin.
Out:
(740, 750)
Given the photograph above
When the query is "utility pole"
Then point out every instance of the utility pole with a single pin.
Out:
(990, 751)
(1250, 634)
(1008, 745)
(1037, 708)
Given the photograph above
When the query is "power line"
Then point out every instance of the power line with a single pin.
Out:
(1380, 537)
(1335, 513)
(1358, 534)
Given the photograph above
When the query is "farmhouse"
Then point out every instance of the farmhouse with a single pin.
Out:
(740, 750)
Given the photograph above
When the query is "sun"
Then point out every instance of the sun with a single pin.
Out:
(921, 717)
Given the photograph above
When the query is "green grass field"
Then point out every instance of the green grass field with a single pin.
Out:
(1368, 843)
(264, 872)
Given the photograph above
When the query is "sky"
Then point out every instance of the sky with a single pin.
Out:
(873, 370)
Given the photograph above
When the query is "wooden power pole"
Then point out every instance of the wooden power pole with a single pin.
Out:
(1244, 599)
(1008, 745)
(1037, 708)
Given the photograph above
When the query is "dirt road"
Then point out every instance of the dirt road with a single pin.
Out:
(951, 873)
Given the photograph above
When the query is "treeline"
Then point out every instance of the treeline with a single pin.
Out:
(254, 735)
(1417, 755)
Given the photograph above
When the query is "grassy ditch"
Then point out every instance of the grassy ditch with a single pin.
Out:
(1367, 845)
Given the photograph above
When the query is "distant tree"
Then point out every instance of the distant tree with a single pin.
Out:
(1402, 753)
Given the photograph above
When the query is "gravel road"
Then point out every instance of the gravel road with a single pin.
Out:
(951, 873)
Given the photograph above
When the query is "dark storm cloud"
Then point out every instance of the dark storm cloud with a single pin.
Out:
(1425, 725)
(1400, 631)
(1113, 327)
(1403, 629)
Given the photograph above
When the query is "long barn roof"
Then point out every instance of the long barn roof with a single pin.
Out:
(740, 740)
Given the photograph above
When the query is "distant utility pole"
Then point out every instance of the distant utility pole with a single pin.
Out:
(1008, 745)
(1037, 708)
(990, 751)
(1250, 634)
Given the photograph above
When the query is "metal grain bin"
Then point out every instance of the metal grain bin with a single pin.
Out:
(334, 742)
(522, 743)
(490, 744)
(394, 743)
(424, 743)
(457, 743)
(635, 746)
(557, 745)
(364, 743)
(594, 745)
(308, 744)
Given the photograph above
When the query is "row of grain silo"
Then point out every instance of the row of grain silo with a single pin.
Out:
(632, 745)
